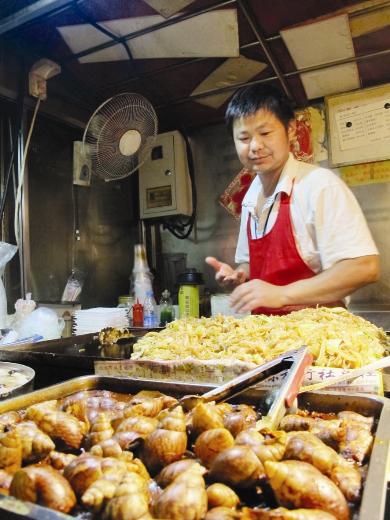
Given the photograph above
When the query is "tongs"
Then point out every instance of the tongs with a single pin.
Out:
(294, 361)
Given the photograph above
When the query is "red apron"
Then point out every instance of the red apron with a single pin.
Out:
(275, 259)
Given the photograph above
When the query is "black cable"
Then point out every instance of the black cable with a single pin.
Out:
(76, 231)
(268, 215)
(17, 129)
(6, 183)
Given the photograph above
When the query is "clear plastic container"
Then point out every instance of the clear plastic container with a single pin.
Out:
(42, 321)
(126, 302)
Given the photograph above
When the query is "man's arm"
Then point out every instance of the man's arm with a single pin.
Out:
(333, 284)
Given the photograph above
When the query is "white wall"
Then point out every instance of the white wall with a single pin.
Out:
(375, 202)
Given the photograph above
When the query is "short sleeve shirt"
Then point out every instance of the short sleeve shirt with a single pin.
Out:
(327, 221)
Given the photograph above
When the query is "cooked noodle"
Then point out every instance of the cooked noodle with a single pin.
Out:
(335, 337)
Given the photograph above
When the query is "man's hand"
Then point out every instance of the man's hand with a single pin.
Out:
(256, 293)
(225, 274)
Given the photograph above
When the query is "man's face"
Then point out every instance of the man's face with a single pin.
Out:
(262, 142)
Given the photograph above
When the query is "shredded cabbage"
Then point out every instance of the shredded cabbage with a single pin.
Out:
(335, 337)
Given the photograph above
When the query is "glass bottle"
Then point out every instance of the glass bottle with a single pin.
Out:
(167, 311)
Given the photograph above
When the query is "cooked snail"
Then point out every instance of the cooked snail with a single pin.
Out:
(212, 442)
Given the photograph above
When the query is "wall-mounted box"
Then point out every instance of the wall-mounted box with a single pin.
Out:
(164, 180)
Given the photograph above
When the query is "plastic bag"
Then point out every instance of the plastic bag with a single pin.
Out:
(7, 251)
(23, 308)
(42, 321)
(74, 286)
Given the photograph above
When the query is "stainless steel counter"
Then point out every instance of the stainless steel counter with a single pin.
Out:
(377, 314)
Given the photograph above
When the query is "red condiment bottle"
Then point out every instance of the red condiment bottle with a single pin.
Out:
(138, 315)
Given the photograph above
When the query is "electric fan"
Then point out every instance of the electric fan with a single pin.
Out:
(119, 135)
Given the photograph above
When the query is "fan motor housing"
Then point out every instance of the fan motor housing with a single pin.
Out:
(164, 180)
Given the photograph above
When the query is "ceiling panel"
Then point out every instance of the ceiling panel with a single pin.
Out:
(331, 41)
(167, 9)
(170, 82)
(233, 71)
(274, 15)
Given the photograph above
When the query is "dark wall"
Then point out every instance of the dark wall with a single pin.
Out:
(104, 213)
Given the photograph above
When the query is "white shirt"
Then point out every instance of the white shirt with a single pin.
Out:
(327, 220)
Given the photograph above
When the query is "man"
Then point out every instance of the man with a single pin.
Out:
(303, 238)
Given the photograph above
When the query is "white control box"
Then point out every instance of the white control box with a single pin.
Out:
(164, 180)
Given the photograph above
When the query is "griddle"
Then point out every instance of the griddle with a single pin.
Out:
(60, 359)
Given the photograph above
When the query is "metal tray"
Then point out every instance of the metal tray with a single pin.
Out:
(28, 386)
(374, 494)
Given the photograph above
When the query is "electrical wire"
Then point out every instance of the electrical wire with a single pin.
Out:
(21, 175)
(180, 226)
(76, 224)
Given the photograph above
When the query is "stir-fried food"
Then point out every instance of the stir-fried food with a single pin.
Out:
(142, 457)
(111, 335)
(335, 337)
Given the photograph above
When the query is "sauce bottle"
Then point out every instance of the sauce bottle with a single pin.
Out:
(138, 315)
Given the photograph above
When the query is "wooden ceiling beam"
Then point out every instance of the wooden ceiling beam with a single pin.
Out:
(30, 13)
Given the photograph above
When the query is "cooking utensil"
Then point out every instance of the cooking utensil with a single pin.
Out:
(295, 361)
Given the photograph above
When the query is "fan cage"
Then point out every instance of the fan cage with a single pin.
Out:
(110, 121)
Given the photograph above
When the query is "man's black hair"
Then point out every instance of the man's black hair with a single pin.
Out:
(248, 100)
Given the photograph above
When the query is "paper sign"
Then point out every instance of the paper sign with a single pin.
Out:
(368, 173)
(361, 125)
(218, 372)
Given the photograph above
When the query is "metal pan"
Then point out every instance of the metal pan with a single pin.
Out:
(28, 386)
(374, 494)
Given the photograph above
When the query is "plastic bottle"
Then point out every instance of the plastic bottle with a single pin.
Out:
(167, 312)
(138, 315)
(189, 293)
(150, 310)
(141, 279)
